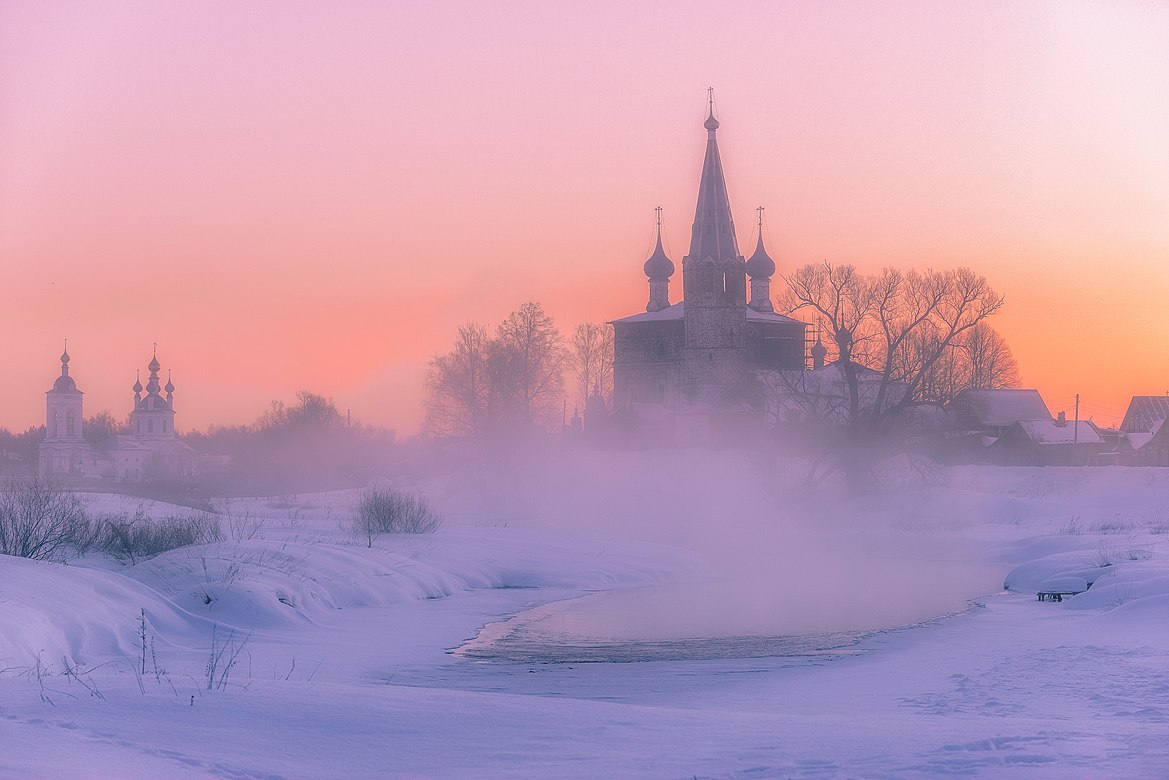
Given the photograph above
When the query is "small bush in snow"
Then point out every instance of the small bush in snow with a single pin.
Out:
(393, 512)
(131, 539)
(41, 521)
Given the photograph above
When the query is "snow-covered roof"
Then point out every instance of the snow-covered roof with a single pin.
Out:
(836, 370)
(678, 311)
(1002, 407)
(674, 312)
(1052, 432)
(1138, 440)
(1144, 413)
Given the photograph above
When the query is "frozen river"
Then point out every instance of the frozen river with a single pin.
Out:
(728, 619)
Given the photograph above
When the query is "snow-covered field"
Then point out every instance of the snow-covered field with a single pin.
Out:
(615, 615)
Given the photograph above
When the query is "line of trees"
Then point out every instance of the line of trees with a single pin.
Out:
(900, 339)
(306, 445)
(514, 379)
(923, 332)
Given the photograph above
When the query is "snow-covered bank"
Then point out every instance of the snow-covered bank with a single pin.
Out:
(346, 665)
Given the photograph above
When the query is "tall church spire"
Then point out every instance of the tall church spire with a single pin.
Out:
(714, 281)
(714, 231)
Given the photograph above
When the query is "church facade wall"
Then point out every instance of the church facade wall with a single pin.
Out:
(647, 362)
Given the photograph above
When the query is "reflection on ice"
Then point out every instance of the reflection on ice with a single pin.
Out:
(683, 621)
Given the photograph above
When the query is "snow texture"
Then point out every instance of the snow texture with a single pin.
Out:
(548, 631)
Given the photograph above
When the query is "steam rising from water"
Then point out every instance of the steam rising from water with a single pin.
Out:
(774, 558)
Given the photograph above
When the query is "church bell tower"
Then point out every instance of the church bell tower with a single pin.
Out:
(714, 281)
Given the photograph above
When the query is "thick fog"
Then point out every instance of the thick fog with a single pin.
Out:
(767, 554)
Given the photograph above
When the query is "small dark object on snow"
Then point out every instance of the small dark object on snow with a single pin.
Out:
(1055, 595)
(1056, 588)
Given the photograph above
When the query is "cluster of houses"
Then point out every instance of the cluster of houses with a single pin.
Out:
(1015, 427)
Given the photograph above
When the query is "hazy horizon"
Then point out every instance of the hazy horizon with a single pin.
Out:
(314, 198)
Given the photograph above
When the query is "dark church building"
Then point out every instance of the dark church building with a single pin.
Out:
(689, 366)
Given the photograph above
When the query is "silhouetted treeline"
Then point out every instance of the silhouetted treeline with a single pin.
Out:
(305, 446)
(18, 451)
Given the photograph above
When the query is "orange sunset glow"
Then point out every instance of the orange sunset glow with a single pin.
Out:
(315, 196)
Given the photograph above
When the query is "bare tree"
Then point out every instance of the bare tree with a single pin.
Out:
(979, 359)
(527, 365)
(897, 329)
(458, 386)
(41, 521)
(591, 356)
(991, 364)
(102, 426)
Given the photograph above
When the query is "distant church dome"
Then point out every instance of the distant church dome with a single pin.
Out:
(153, 403)
(65, 382)
(760, 265)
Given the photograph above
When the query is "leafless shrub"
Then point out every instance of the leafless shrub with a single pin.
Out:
(129, 540)
(393, 512)
(39, 520)
(75, 672)
(245, 527)
(222, 659)
(1106, 554)
(1117, 525)
(1137, 552)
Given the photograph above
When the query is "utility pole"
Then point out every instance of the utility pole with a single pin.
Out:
(1076, 430)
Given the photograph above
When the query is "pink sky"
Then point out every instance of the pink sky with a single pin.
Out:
(314, 196)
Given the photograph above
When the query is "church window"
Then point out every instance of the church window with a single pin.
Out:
(164, 426)
(69, 424)
(150, 426)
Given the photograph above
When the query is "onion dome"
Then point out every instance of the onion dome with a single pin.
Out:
(170, 387)
(137, 383)
(711, 123)
(818, 352)
(659, 266)
(760, 265)
(64, 382)
(154, 365)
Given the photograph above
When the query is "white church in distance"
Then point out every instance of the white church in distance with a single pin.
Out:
(151, 446)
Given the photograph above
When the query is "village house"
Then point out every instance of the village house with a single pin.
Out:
(1144, 435)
